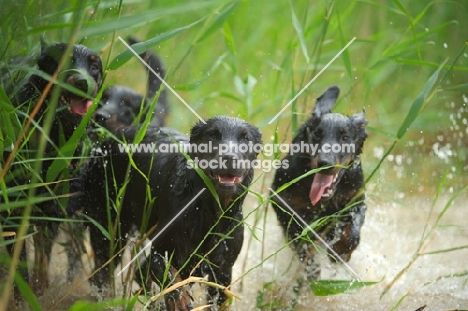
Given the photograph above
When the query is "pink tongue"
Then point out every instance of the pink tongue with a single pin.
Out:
(79, 106)
(229, 179)
(320, 183)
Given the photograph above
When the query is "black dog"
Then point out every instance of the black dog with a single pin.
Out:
(82, 72)
(164, 183)
(335, 190)
(118, 108)
(121, 106)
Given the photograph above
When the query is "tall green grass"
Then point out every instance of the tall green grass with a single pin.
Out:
(248, 59)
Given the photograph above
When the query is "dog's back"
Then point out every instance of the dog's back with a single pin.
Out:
(334, 144)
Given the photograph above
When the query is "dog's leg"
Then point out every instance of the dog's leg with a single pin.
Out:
(305, 248)
(157, 269)
(22, 268)
(221, 275)
(101, 249)
(40, 276)
(310, 260)
(212, 293)
(74, 248)
(345, 235)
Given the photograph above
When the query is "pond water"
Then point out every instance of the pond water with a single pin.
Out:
(266, 271)
(390, 237)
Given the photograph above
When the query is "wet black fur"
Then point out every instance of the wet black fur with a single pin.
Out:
(83, 70)
(172, 184)
(120, 105)
(342, 233)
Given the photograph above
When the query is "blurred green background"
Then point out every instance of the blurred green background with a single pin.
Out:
(249, 58)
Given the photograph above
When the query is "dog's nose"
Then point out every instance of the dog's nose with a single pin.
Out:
(322, 162)
(101, 116)
(79, 81)
(231, 159)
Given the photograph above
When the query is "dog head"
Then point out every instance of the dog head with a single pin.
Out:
(119, 107)
(338, 139)
(83, 71)
(223, 152)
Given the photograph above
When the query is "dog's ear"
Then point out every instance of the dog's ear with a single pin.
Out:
(326, 102)
(256, 134)
(359, 120)
(196, 131)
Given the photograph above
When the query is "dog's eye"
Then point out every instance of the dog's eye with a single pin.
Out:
(317, 133)
(94, 67)
(244, 137)
(345, 138)
(212, 136)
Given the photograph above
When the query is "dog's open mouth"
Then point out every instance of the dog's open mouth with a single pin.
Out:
(229, 179)
(77, 105)
(323, 186)
(226, 178)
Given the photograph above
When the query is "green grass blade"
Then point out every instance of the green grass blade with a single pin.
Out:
(408, 45)
(459, 87)
(135, 20)
(21, 203)
(229, 39)
(295, 180)
(449, 203)
(300, 34)
(206, 181)
(209, 73)
(27, 294)
(99, 306)
(7, 117)
(418, 103)
(345, 55)
(141, 47)
(446, 250)
(220, 18)
(428, 64)
(406, 13)
(380, 131)
(399, 302)
(68, 149)
(333, 287)
(101, 228)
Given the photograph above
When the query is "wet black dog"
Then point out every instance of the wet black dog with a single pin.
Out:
(82, 72)
(335, 190)
(118, 108)
(208, 235)
(121, 106)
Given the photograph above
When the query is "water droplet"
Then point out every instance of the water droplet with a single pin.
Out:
(378, 152)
